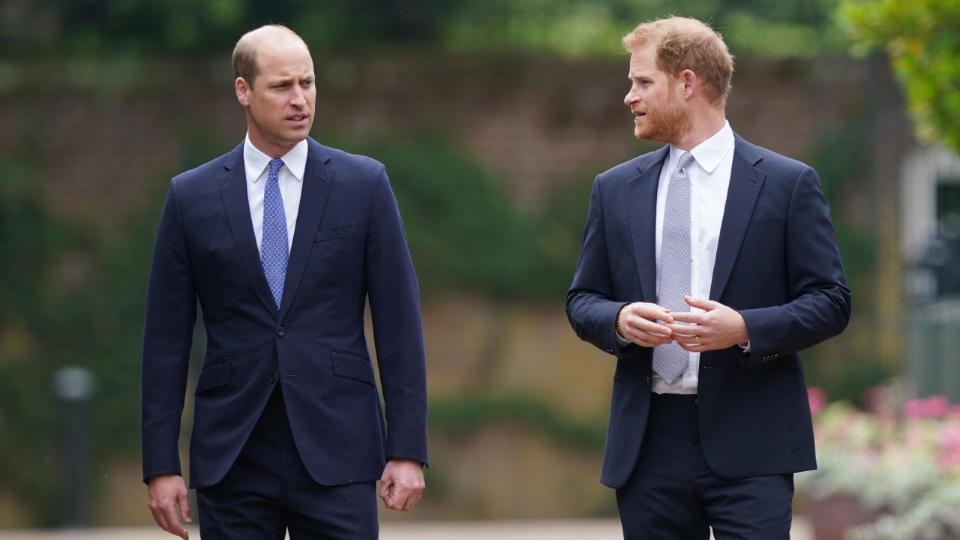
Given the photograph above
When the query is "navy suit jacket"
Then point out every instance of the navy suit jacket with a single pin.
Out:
(348, 247)
(777, 264)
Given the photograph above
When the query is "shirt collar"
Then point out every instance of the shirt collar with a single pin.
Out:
(710, 152)
(255, 161)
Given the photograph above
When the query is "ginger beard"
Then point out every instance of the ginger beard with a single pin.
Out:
(665, 123)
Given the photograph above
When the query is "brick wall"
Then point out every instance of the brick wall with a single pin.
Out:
(533, 121)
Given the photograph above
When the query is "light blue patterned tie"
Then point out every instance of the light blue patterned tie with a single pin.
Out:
(670, 360)
(274, 250)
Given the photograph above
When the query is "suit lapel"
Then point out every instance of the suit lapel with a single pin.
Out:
(745, 184)
(317, 178)
(237, 205)
(642, 209)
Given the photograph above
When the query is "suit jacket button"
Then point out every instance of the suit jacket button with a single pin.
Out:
(280, 332)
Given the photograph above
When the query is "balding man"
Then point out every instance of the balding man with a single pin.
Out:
(283, 241)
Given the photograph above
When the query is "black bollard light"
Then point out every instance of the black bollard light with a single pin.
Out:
(74, 386)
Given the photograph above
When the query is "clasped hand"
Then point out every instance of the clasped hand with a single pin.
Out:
(716, 327)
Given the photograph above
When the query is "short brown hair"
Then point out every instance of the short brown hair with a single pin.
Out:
(245, 52)
(684, 43)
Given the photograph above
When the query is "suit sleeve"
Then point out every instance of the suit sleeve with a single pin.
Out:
(395, 306)
(820, 305)
(591, 305)
(167, 339)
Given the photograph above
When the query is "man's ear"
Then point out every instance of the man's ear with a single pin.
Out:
(243, 91)
(690, 82)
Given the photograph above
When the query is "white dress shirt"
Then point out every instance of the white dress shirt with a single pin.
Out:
(290, 180)
(709, 180)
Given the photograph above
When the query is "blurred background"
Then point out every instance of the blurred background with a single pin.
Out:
(492, 117)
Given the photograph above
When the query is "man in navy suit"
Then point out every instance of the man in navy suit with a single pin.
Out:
(283, 241)
(705, 267)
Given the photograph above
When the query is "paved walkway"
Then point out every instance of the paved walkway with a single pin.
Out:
(498, 530)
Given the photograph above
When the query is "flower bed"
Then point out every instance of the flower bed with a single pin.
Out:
(900, 465)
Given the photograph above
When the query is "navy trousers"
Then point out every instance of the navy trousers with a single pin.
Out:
(673, 494)
(269, 491)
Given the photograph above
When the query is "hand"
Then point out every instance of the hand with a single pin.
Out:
(636, 322)
(717, 327)
(166, 493)
(401, 485)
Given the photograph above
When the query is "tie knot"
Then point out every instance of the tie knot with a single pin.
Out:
(275, 166)
(686, 159)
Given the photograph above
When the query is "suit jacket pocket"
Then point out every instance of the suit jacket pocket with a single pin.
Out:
(215, 376)
(337, 232)
(352, 366)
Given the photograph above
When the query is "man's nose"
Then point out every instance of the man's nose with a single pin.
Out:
(299, 97)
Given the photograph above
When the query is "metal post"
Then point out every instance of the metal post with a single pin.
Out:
(74, 386)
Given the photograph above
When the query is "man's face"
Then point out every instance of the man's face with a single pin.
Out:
(656, 99)
(281, 101)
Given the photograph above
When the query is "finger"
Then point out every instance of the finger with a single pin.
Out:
(646, 310)
(409, 493)
(159, 518)
(692, 347)
(185, 508)
(172, 524)
(646, 326)
(648, 340)
(159, 514)
(702, 303)
(689, 317)
(686, 330)
(416, 497)
(397, 500)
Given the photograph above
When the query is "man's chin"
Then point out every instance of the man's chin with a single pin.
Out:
(295, 136)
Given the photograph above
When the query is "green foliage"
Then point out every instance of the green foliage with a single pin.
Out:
(28, 316)
(922, 38)
(93, 28)
(173, 27)
(840, 158)
(67, 298)
(463, 231)
(592, 27)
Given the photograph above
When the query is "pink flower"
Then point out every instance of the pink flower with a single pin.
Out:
(931, 407)
(949, 454)
(950, 434)
(816, 397)
(877, 399)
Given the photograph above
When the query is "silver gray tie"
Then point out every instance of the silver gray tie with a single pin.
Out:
(670, 360)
